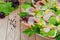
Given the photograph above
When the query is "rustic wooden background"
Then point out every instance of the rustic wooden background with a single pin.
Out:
(11, 28)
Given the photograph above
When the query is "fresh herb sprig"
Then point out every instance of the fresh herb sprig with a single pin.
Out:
(6, 8)
(33, 30)
(23, 14)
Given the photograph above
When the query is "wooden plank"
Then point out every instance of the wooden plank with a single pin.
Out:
(11, 26)
(33, 37)
(3, 28)
(17, 29)
(40, 38)
(23, 36)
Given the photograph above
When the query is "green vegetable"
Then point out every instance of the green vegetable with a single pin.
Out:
(58, 21)
(39, 13)
(36, 28)
(25, 6)
(42, 21)
(57, 12)
(56, 24)
(50, 33)
(23, 14)
(58, 33)
(58, 28)
(6, 8)
(43, 33)
(57, 36)
(52, 20)
(33, 30)
(54, 8)
(28, 32)
(46, 6)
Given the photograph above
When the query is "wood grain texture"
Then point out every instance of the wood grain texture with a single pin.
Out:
(23, 37)
(33, 37)
(11, 29)
(3, 28)
(40, 38)
(17, 29)
(13, 32)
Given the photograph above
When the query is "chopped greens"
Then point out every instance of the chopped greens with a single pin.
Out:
(6, 8)
(50, 33)
(30, 31)
(25, 6)
(37, 29)
(52, 20)
(57, 12)
(57, 36)
(23, 14)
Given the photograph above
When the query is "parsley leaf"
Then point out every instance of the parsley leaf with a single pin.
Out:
(25, 6)
(33, 30)
(23, 14)
(52, 20)
(6, 8)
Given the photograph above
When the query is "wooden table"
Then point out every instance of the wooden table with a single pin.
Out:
(11, 29)
(7, 30)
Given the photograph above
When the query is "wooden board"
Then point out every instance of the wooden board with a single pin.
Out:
(3, 28)
(13, 32)
(17, 29)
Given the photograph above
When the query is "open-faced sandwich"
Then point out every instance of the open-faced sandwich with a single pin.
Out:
(41, 17)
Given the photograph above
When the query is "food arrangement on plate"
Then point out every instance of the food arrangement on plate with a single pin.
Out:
(41, 17)
(6, 8)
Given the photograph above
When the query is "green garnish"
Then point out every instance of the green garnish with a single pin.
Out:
(52, 20)
(50, 33)
(6, 8)
(33, 30)
(25, 6)
(23, 14)
(57, 12)
(57, 36)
